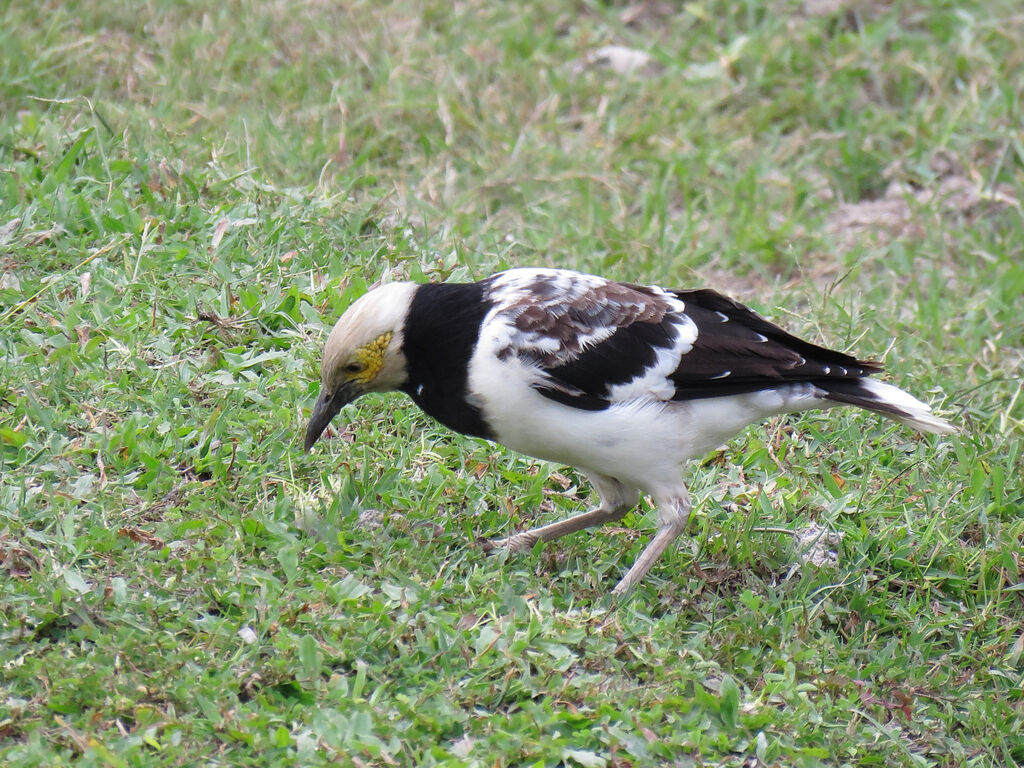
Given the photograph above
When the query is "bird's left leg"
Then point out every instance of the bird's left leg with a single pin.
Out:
(673, 515)
(616, 500)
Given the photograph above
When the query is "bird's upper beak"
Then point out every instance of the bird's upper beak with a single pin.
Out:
(326, 408)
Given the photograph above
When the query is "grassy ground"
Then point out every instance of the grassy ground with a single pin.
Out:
(191, 192)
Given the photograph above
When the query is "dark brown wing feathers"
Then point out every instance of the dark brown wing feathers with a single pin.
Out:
(737, 350)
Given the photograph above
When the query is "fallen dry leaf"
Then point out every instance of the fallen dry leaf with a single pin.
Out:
(218, 232)
(619, 59)
(141, 536)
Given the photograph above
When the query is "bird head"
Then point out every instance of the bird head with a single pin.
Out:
(363, 353)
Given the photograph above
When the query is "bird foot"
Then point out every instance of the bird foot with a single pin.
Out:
(520, 542)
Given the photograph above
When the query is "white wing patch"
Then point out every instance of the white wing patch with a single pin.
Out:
(654, 382)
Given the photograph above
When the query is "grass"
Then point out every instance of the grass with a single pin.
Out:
(192, 192)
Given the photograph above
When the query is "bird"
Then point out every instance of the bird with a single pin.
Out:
(627, 383)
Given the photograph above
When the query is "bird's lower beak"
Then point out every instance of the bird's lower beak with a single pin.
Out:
(325, 409)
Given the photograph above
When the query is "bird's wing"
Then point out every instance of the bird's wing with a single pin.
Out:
(737, 350)
(594, 342)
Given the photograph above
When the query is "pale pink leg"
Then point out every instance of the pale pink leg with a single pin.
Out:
(616, 501)
(673, 515)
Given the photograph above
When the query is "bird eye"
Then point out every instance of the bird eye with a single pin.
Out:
(354, 367)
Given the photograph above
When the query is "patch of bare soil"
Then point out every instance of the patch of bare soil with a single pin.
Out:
(870, 8)
(909, 209)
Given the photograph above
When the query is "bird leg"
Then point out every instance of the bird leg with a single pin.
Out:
(616, 501)
(673, 515)
(524, 541)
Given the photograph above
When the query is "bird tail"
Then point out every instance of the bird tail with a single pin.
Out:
(887, 400)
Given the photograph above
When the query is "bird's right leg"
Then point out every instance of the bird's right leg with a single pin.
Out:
(673, 516)
(616, 500)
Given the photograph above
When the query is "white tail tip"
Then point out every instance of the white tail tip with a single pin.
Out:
(915, 414)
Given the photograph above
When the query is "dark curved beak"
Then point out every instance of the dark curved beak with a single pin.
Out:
(325, 409)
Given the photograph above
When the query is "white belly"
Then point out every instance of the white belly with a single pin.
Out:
(641, 442)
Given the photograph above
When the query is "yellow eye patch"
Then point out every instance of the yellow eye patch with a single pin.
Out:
(371, 357)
